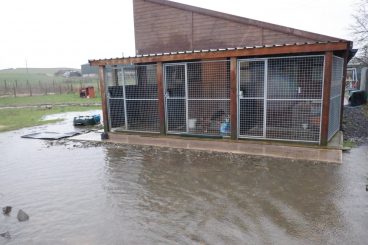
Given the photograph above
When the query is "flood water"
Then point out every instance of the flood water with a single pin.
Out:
(80, 193)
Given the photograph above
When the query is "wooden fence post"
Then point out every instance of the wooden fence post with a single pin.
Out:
(30, 88)
(15, 90)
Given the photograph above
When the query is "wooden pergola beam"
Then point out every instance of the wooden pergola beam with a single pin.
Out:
(221, 54)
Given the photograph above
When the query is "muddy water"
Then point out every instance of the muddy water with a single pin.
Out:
(95, 194)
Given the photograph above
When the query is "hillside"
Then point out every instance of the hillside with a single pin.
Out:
(32, 75)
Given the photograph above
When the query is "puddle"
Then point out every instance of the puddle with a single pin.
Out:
(78, 193)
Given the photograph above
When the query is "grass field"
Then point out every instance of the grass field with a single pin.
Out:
(12, 119)
(47, 99)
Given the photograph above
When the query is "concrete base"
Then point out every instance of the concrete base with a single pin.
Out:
(313, 154)
(337, 141)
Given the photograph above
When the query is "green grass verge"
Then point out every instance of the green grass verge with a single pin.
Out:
(12, 119)
(349, 144)
(46, 99)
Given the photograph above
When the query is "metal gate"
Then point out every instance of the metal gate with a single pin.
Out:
(252, 98)
(132, 94)
(176, 98)
(280, 98)
(198, 98)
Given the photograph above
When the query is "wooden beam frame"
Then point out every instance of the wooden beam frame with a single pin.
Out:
(223, 54)
(161, 97)
(326, 97)
(101, 74)
(233, 98)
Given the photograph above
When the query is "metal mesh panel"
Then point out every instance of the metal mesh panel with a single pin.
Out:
(335, 96)
(251, 98)
(176, 103)
(208, 116)
(293, 120)
(294, 98)
(132, 98)
(115, 97)
(198, 97)
(281, 98)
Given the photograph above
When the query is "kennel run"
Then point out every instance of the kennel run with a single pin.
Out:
(279, 92)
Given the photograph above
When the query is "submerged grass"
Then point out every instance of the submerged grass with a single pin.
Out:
(12, 119)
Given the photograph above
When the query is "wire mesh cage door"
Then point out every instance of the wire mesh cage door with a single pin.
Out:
(116, 98)
(252, 102)
(176, 98)
(141, 98)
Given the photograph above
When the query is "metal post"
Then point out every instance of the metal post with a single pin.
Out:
(326, 97)
(161, 97)
(186, 97)
(101, 74)
(124, 94)
(265, 98)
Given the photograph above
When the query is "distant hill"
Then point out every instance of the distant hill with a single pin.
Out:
(33, 74)
(48, 71)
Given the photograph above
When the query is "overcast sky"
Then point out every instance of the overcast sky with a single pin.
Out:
(66, 33)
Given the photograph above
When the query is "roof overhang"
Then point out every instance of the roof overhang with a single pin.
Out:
(265, 50)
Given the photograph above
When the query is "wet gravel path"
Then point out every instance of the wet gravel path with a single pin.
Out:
(355, 124)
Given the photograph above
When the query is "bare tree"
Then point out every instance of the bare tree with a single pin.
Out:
(360, 31)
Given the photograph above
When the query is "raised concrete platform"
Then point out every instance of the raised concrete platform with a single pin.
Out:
(266, 149)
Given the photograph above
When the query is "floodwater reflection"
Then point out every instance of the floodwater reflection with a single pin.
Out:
(215, 198)
(78, 193)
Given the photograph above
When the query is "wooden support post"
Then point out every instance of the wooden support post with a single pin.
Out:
(101, 74)
(15, 90)
(326, 97)
(346, 54)
(161, 97)
(98, 87)
(30, 88)
(233, 99)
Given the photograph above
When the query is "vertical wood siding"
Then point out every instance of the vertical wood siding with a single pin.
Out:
(160, 28)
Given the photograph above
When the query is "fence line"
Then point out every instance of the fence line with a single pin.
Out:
(32, 88)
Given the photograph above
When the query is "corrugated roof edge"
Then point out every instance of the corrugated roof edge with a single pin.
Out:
(217, 50)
